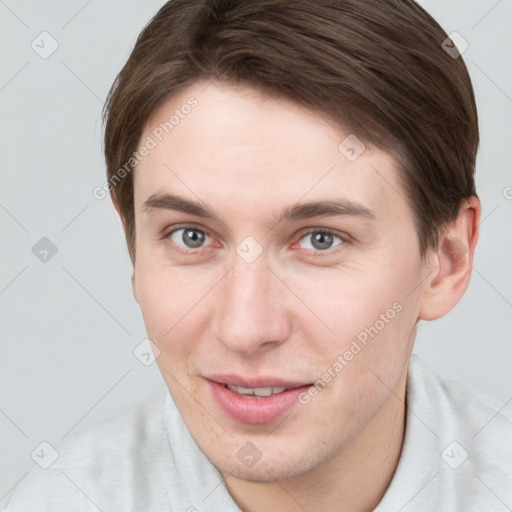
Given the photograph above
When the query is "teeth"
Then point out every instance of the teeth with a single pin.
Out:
(256, 391)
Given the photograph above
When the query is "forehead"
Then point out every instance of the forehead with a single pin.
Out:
(224, 143)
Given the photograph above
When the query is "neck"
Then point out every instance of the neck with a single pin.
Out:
(355, 479)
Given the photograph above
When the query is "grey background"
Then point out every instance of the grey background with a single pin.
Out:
(69, 325)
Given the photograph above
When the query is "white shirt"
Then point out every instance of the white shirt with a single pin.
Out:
(457, 456)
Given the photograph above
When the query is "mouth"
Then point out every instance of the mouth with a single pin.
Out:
(255, 402)
(259, 392)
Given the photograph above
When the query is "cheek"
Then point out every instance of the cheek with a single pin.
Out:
(373, 313)
(359, 304)
(170, 301)
(373, 316)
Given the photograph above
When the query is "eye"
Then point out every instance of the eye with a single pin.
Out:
(319, 240)
(189, 238)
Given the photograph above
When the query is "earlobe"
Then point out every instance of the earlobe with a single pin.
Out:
(454, 260)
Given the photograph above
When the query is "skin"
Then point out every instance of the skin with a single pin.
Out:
(292, 311)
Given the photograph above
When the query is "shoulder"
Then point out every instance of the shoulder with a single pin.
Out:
(457, 450)
(100, 465)
(457, 410)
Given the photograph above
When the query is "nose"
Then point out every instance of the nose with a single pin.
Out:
(251, 314)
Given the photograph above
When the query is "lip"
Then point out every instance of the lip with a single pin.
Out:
(251, 409)
(254, 382)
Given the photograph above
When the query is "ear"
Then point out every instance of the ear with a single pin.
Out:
(115, 202)
(452, 263)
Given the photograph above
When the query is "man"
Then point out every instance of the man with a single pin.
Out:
(296, 184)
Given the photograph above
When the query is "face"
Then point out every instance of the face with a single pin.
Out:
(278, 274)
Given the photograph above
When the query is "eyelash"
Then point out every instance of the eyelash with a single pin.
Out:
(343, 237)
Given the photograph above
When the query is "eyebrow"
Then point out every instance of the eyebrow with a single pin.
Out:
(173, 202)
(299, 211)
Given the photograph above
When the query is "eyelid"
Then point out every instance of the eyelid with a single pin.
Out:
(166, 235)
(344, 237)
(166, 232)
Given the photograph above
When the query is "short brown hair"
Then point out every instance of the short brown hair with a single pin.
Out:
(376, 67)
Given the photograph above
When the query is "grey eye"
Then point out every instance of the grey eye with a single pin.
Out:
(320, 240)
(190, 238)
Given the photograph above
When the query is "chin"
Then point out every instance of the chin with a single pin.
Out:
(266, 471)
(263, 474)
